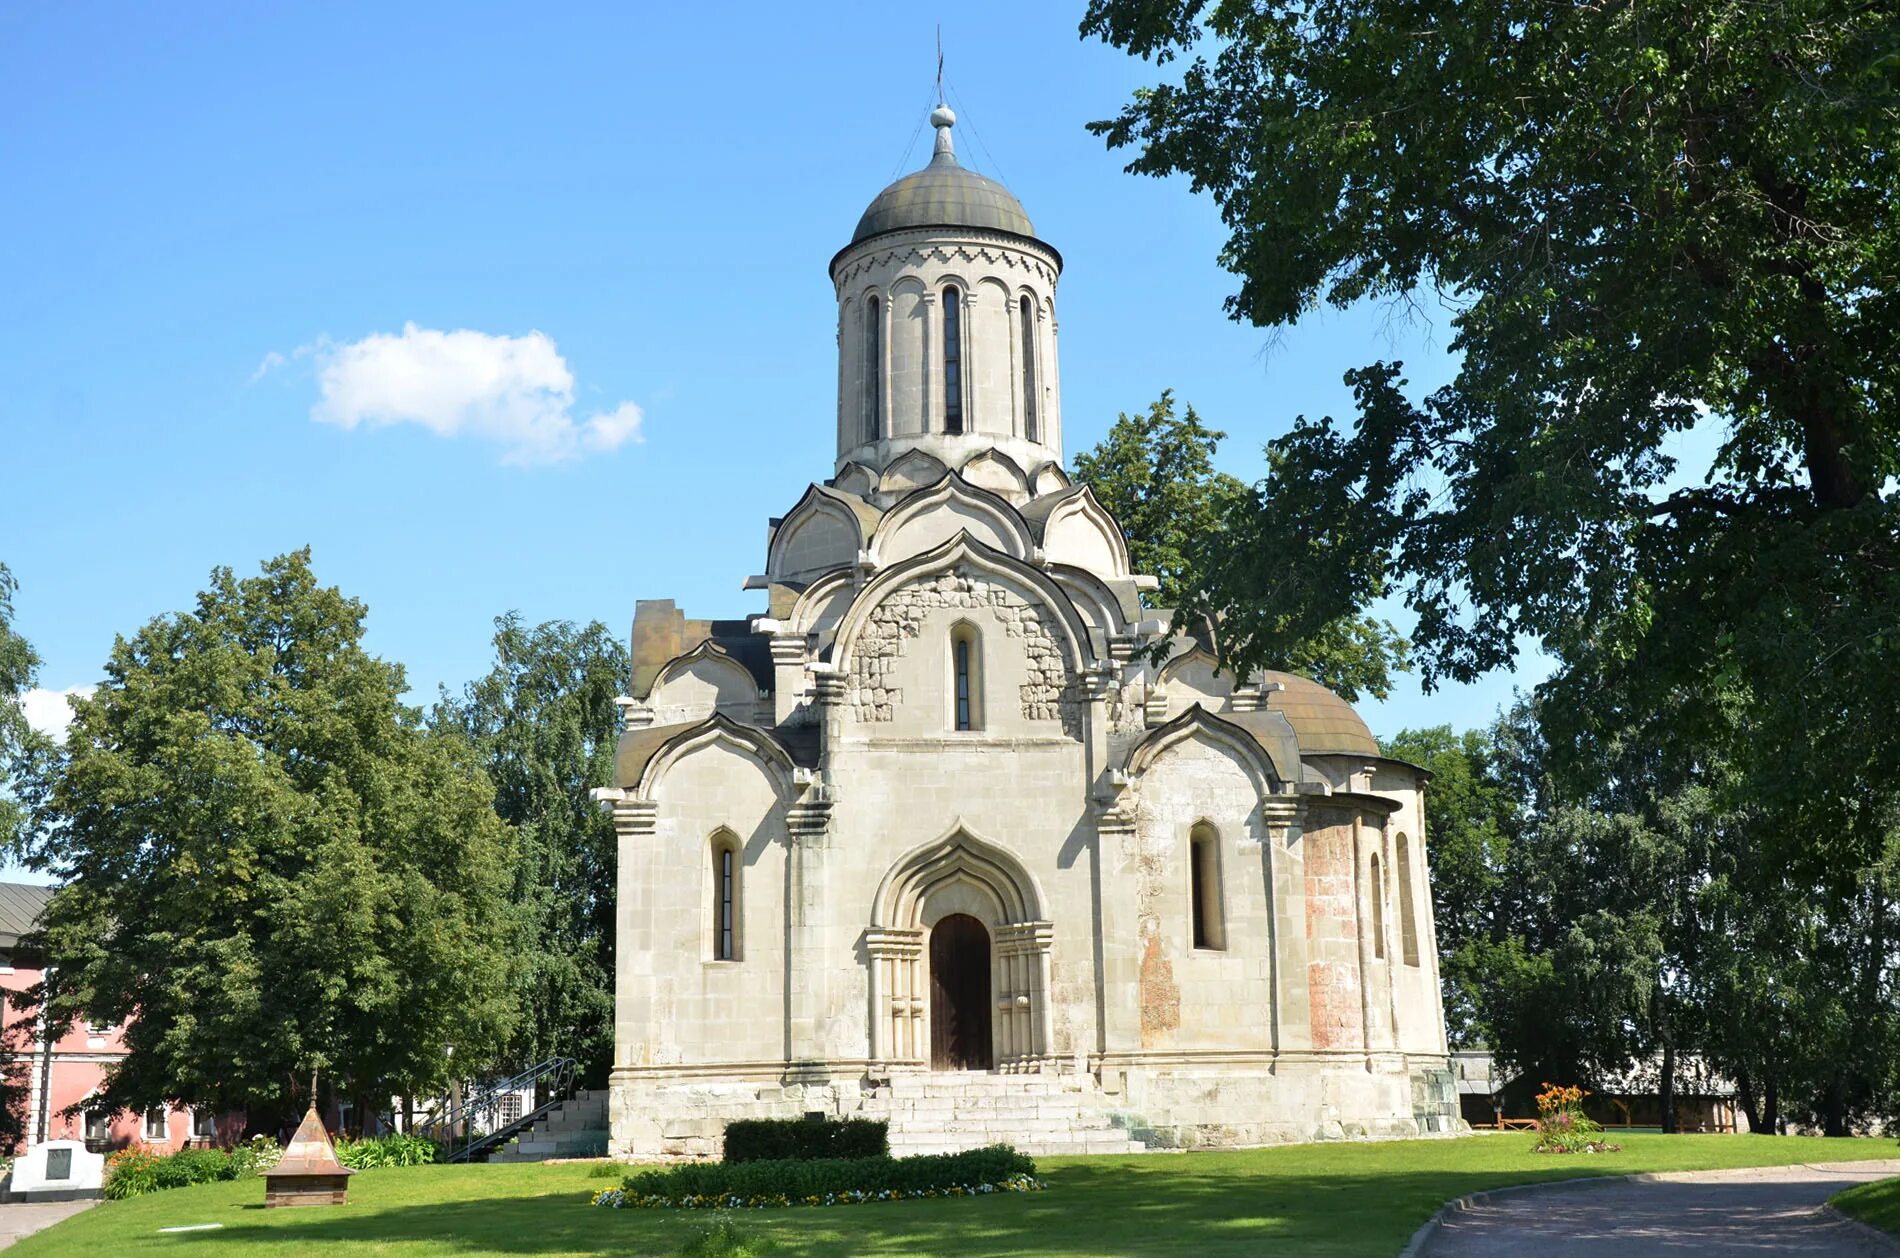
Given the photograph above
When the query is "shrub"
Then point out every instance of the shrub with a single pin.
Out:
(394, 1149)
(131, 1172)
(256, 1155)
(140, 1169)
(1562, 1126)
(784, 1139)
(827, 1181)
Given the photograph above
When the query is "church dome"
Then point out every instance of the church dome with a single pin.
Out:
(1324, 722)
(943, 194)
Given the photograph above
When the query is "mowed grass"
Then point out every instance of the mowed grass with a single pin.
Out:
(1877, 1203)
(1328, 1199)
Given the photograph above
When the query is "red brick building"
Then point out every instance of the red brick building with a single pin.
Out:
(65, 1072)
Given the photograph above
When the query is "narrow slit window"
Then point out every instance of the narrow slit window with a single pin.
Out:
(1204, 898)
(1031, 429)
(966, 678)
(1408, 925)
(963, 683)
(873, 369)
(952, 361)
(725, 905)
(1377, 891)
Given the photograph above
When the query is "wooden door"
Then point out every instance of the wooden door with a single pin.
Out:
(960, 995)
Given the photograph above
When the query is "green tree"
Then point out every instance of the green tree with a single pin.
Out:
(1640, 220)
(1155, 474)
(19, 665)
(270, 862)
(544, 723)
(1471, 818)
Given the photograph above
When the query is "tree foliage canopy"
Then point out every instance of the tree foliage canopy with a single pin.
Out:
(19, 664)
(270, 861)
(1640, 219)
(1155, 474)
(543, 722)
(1628, 931)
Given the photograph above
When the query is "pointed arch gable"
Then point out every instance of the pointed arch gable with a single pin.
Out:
(1092, 598)
(825, 529)
(1198, 723)
(720, 730)
(1196, 675)
(820, 605)
(1080, 531)
(932, 516)
(995, 471)
(705, 677)
(911, 471)
(1048, 478)
(962, 550)
(855, 478)
(957, 857)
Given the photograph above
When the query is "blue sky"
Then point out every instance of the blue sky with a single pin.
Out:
(208, 203)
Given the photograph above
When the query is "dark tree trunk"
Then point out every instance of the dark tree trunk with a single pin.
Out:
(1771, 1110)
(1745, 1098)
(1668, 1087)
(1834, 1113)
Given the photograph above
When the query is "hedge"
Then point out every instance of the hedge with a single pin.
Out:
(141, 1169)
(786, 1139)
(827, 1181)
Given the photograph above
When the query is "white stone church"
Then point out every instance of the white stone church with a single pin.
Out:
(932, 840)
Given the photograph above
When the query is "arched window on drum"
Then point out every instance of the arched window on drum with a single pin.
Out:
(952, 360)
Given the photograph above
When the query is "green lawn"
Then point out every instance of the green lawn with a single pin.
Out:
(1877, 1203)
(1327, 1199)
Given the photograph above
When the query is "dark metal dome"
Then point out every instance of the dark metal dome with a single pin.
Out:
(943, 194)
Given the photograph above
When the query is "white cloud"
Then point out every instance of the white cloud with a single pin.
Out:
(516, 391)
(48, 712)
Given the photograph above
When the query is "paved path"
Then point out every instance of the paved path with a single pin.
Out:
(23, 1218)
(1770, 1210)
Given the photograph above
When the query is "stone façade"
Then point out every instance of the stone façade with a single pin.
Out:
(1192, 912)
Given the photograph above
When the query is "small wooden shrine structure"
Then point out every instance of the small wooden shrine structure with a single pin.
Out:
(308, 1174)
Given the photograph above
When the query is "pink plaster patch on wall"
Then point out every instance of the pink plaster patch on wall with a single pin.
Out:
(1160, 996)
(1332, 973)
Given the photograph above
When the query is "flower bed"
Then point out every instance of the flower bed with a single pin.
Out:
(825, 1182)
(1562, 1126)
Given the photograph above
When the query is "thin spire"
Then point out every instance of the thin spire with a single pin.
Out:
(942, 117)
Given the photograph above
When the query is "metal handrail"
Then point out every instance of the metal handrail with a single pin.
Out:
(476, 1122)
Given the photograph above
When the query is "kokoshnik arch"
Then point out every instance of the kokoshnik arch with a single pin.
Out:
(933, 840)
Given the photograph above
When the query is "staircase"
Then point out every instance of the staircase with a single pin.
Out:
(1042, 1115)
(577, 1128)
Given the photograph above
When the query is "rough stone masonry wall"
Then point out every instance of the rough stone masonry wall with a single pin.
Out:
(1049, 692)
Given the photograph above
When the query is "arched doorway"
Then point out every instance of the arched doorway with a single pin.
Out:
(960, 995)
